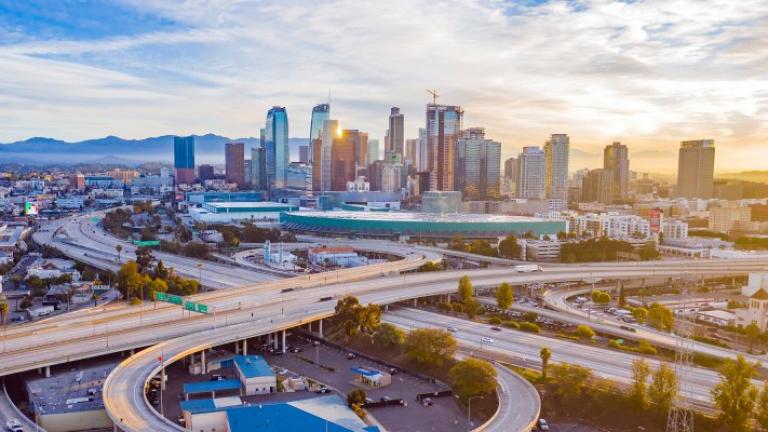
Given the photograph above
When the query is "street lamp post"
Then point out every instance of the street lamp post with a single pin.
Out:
(200, 274)
(469, 411)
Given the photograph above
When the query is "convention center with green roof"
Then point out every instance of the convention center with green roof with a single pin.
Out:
(405, 225)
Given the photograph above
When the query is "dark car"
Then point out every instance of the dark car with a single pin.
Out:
(496, 328)
(351, 356)
(323, 390)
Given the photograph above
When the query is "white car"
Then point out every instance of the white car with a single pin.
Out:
(452, 329)
(14, 425)
(486, 339)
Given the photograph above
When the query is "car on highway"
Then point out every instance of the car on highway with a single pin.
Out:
(14, 425)
(452, 329)
(542, 425)
(486, 339)
(494, 328)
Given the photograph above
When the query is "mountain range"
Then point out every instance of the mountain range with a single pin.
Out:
(209, 148)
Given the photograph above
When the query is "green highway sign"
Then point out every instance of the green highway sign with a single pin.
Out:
(196, 307)
(95, 219)
(146, 243)
(170, 298)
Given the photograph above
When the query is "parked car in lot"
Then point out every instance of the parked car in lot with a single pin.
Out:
(427, 402)
(14, 425)
(542, 425)
(323, 390)
(351, 356)
(296, 350)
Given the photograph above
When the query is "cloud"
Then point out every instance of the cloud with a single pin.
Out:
(648, 73)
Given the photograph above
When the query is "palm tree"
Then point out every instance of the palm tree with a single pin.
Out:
(119, 249)
(4, 313)
(545, 355)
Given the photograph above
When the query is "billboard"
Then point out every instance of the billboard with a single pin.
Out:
(655, 220)
(30, 208)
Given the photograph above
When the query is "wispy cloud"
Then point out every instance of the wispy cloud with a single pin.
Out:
(649, 73)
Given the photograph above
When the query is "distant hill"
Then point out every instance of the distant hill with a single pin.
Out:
(750, 176)
(209, 148)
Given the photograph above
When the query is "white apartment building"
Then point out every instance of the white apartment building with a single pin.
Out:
(674, 229)
(613, 225)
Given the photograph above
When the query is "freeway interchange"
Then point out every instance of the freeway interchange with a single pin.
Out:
(252, 304)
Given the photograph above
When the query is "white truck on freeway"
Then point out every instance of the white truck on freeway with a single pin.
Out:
(527, 268)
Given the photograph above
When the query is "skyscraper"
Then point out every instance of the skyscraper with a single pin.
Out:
(343, 159)
(478, 162)
(443, 126)
(205, 172)
(234, 163)
(531, 173)
(259, 177)
(276, 143)
(184, 159)
(320, 113)
(304, 153)
(695, 169)
(422, 157)
(373, 151)
(412, 151)
(598, 186)
(616, 161)
(556, 151)
(510, 168)
(321, 153)
(396, 135)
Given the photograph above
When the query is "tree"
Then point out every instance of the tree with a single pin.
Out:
(572, 380)
(119, 249)
(509, 248)
(585, 332)
(663, 389)
(465, 290)
(388, 336)
(661, 317)
(129, 280)
(473, 377)
(640, 314)
(562, 235)
(622, 297)
(471, 307)
(348, 316)
(4, 309)
(601, 297)
(735, 395)
(429, 347)
(640, 373)
(761, 412)
(143, 258)
(161, 271)
(752, 333)
(504, 296)
(370, 319)
(545, 354)
(356, 397)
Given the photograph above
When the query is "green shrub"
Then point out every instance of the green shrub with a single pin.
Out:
(613, 343)
(529, 327)
(511, 324)
(495, 320)
(707, 361)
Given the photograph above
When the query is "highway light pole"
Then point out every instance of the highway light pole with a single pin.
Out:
(200, 274)
(469, 411)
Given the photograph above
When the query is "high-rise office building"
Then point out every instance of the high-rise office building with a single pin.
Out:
(531, 173)
(396, 135)
(696, 169)
(234, 163)
(205, 172)
(343, 164)
(320, 113)
(299, 178)
(443, 126)
(259, 177)
(616, 161)
(321, 154)
(478, 165)
(373, 151)
(304, 153)
(184, 159)
(412, 151)
(556, 152)
(510, 168)
(422, 152)
(598, 186)
(276, 143)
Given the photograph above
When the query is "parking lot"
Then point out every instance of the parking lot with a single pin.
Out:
(443, 415)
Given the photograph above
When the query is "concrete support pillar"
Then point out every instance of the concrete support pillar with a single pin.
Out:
(415, 302)
(47, 371)
(237, 347)
(245, 347)
(274, 340)
(283, 341)
(321, 328)
(132, 351)
(202, 361)
(386, 308)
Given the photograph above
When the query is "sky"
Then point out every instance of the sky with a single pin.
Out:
(646, 73)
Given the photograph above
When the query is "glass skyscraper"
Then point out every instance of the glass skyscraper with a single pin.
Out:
(478, 165)
(556, 151)
(320, 113)
(276, 143)
(443, 127)
(184, 159)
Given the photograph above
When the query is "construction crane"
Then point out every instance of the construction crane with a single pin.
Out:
(434, 94)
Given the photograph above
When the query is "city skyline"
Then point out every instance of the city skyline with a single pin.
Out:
(618, 72)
